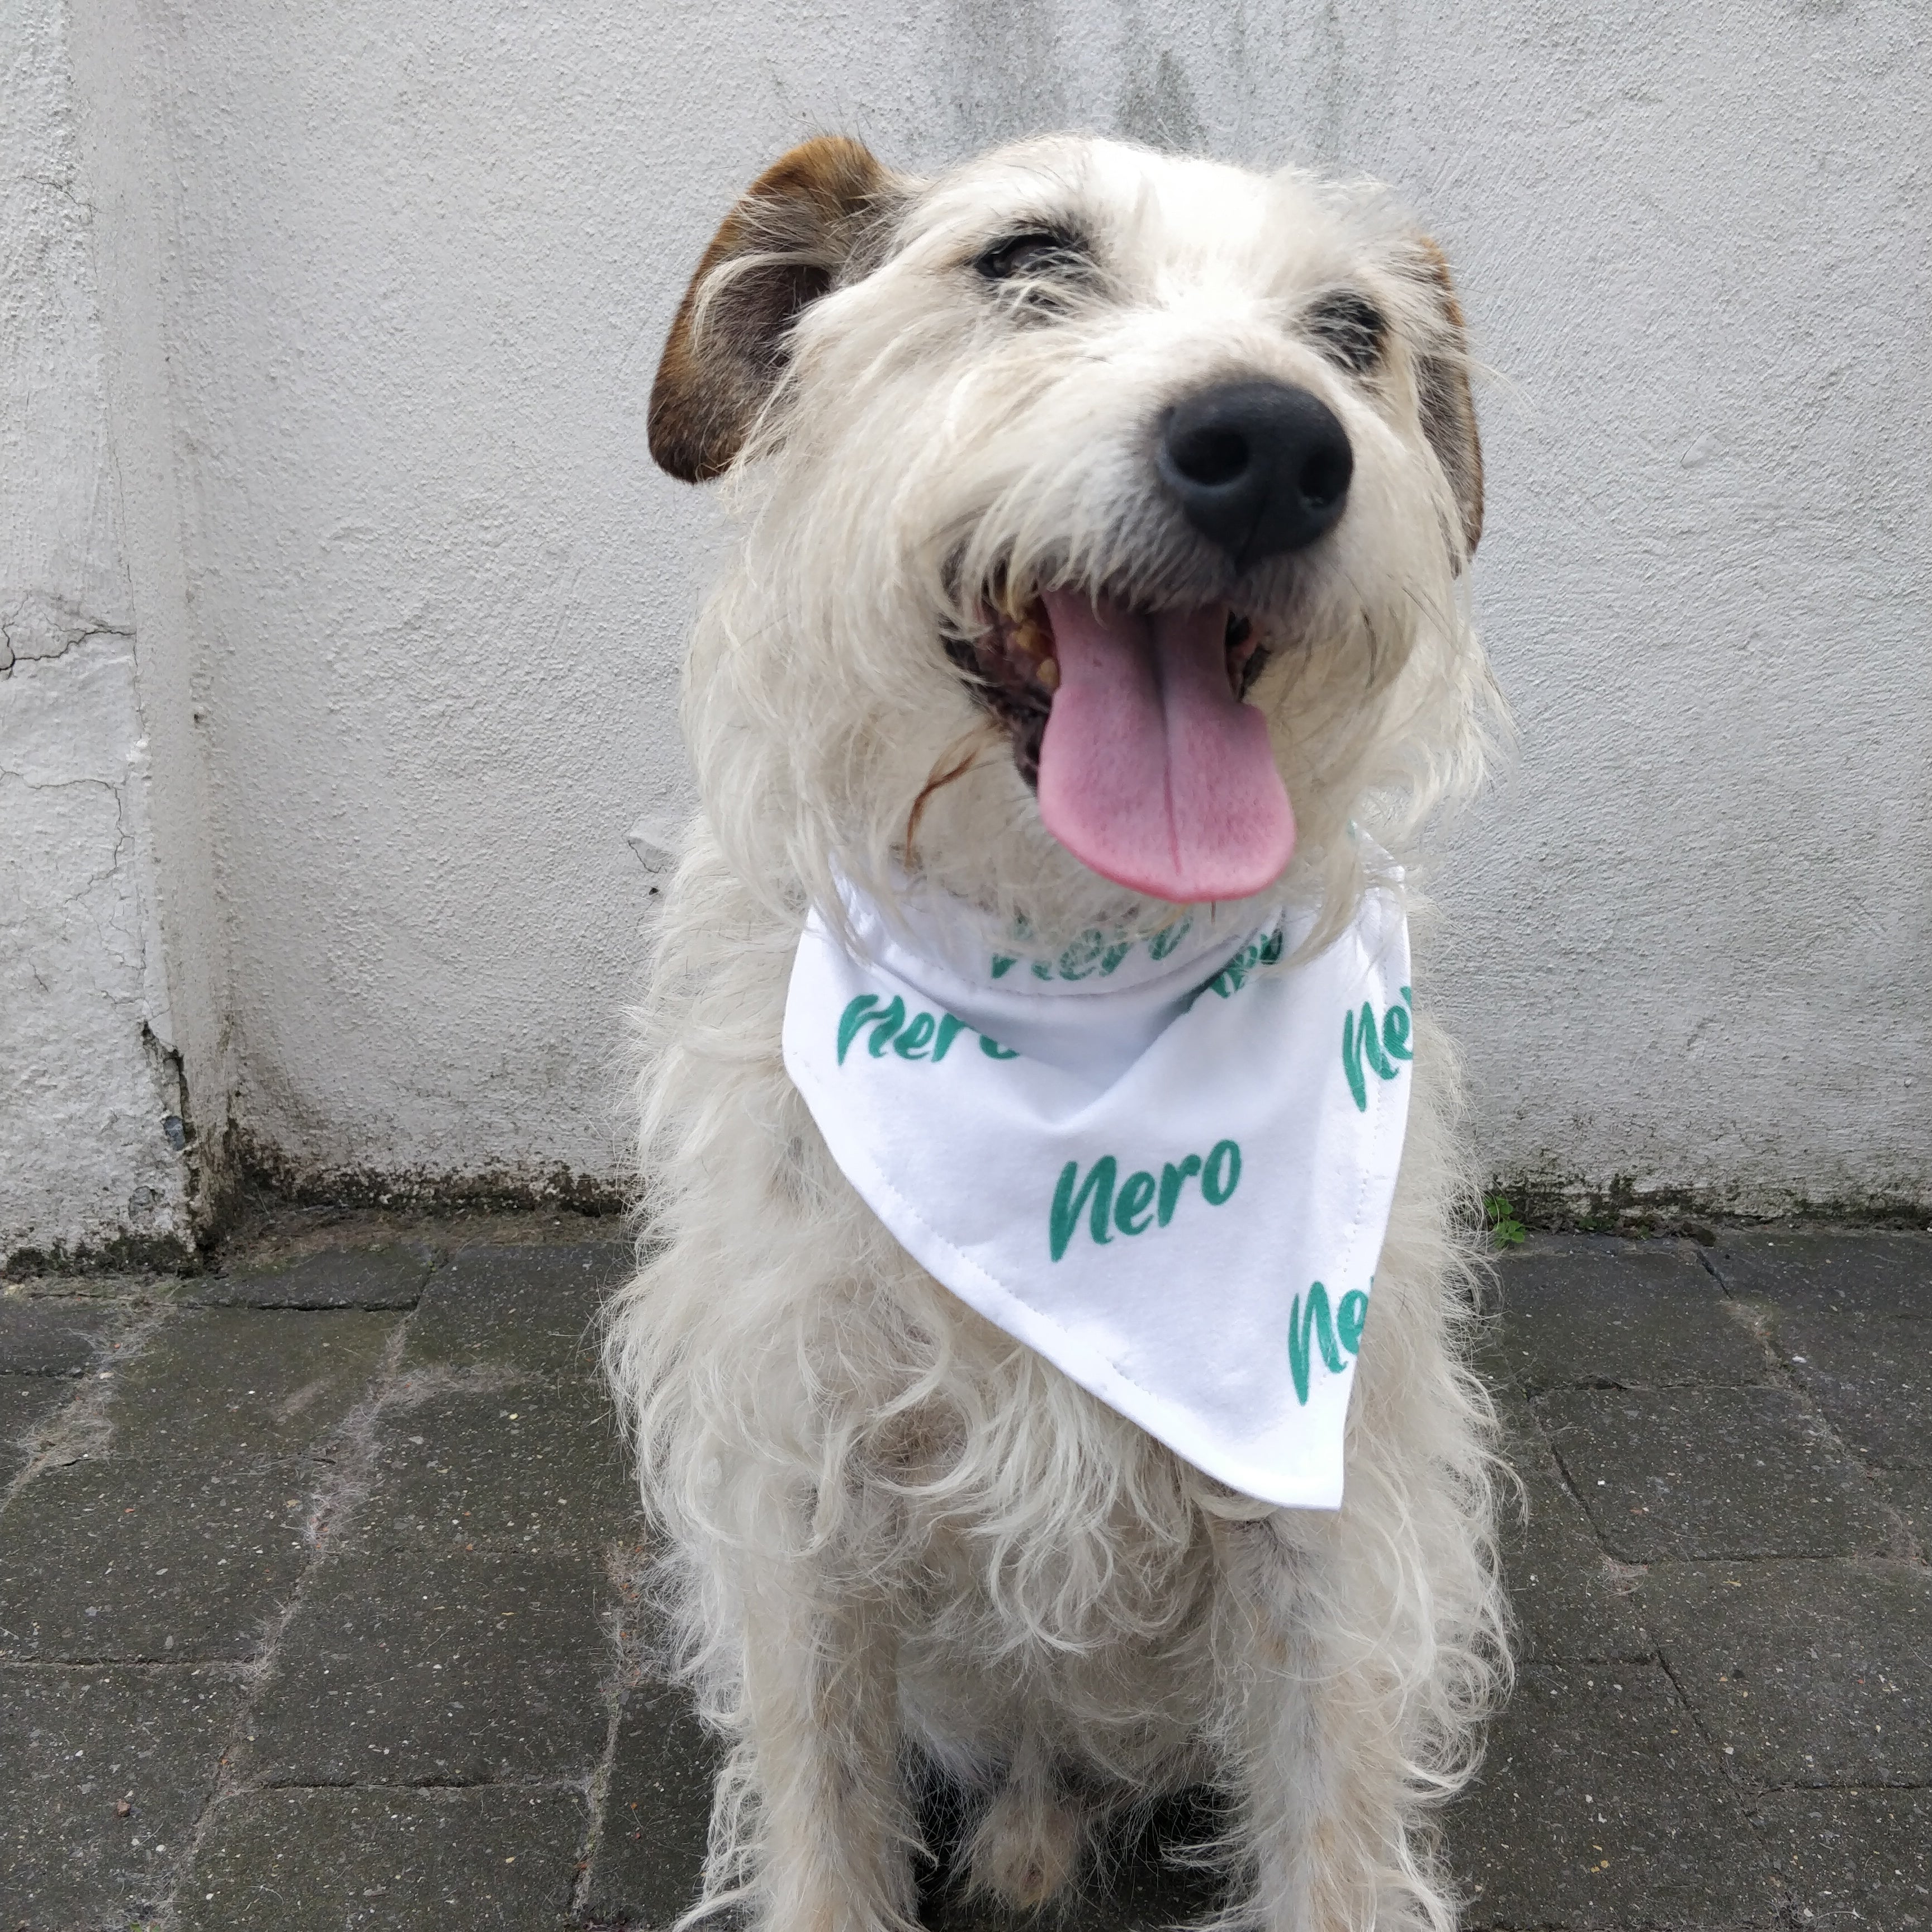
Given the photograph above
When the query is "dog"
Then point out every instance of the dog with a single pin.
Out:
(961, 423)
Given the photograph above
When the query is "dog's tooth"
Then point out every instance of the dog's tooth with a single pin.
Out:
(1048, 673)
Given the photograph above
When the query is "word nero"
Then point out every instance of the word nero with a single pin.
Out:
(921, 1037)
(1142, 1201)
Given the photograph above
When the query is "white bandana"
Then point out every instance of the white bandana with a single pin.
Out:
(1165, 1164)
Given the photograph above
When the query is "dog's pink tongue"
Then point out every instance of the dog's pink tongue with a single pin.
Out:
(1152, 771)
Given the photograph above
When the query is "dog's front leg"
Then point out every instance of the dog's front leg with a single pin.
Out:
(835, 1834)
(1316, 1733)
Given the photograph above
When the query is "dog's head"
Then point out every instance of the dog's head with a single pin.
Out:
(1098, 505)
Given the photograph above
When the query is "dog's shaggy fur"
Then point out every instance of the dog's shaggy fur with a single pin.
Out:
(903, 1549)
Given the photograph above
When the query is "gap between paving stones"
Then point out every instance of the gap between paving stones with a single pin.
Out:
(340, 1472)
(334, 1527)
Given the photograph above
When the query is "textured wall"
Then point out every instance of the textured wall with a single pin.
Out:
(90, 1124)
(418, 261)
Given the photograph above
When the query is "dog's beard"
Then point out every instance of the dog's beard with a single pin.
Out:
(1151, 770)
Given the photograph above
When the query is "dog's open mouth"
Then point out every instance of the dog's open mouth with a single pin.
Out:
(1151, 769)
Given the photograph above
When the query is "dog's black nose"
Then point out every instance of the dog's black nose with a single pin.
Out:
(1258, 468)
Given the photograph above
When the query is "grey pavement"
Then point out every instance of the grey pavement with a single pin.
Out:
(319, 1597)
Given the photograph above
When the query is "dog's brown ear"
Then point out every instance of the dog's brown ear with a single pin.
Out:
(779, 249)
(1442, 390)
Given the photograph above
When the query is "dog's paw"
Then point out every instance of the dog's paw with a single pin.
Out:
(1028, 1848)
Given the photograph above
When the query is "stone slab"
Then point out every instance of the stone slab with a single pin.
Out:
(650, 1844)
(28, 1404)
(1675, 1474)
(406, 1665)
(78, 1744)
(500, 1860)
(116, 1560)
(1872, 1376)
(1619, 1314)
(1598, 1807)
(1852, 1858)
(1810, 1673)
(1909, 1492)
(530, 1310)
(538, 1466)
(42, 1336)
(1569, 1601)
(389, 1277)
(219, 1385)
(1877, 1274)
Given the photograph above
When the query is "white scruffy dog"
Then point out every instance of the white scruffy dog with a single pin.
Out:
(1073, 400)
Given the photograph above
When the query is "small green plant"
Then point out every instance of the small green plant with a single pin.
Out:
(1505, 1230)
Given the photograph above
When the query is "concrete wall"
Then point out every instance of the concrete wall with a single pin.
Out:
(92, 1136)
(383, 331)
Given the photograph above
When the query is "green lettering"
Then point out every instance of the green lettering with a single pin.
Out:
(1136, 1198)
(1089, 954)
(993, 1050)
(950, 1027)
(911, 1045)
(1067, 1204)
(1172, 1180)
(1223, 1173)
(1371, 1043)
(1299, 1327)
(1003, 963)
(1164, 941)
(1352, 1315)
(884, 1024)
(1351, 1063)
(852, 1019)
(1395, 1034)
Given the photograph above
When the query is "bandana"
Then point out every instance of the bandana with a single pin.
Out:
(1165, 1163)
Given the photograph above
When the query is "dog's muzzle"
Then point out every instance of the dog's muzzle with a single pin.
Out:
(1259, 468)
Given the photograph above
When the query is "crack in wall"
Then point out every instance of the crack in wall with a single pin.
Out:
(16, 647)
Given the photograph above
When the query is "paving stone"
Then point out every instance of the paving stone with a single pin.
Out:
(1877, 1274)
(438, 1665)
(1682, 1473)
(77, 1743)
(1812, 1673)
(538, 1466)
(1871, 1375)
(1598, 1807)
(650, 1847)
(1621, 1314)
(1569, 1602)
(43, 1337)
(114, 1560)
(28, 1404)
(1909, 1492)
(223, 1383)
(528, 1308)
(1853, 1857)
(494, 1860)
(336, 1278)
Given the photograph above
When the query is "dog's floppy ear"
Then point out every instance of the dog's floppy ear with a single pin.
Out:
(1442, 390)
(780, 249)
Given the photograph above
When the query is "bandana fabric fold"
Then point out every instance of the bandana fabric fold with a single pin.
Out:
(1165, 1163)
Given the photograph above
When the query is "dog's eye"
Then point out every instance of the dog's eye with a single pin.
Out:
(1349, 329)
(1032, 252)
